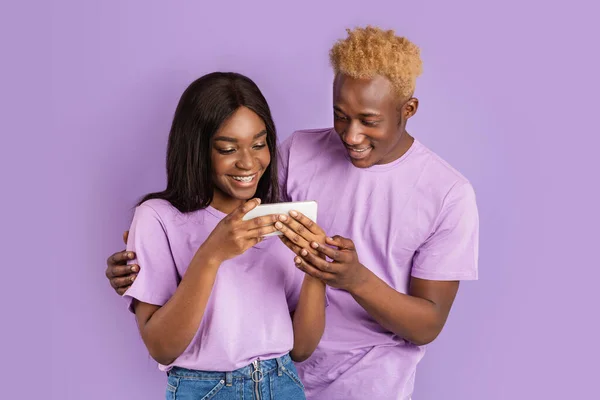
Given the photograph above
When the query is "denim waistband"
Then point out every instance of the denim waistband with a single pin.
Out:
(247, 372)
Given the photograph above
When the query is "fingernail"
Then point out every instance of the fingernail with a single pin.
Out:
(283, 217)
(258, 201)
(134, 268)
(297, 260)
(328, 238)
(304, 253)
(315, 245)
(278, 225)
(294, 213)
(129, 255)
(132, 278)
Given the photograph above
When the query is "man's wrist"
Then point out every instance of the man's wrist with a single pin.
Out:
(364, 283)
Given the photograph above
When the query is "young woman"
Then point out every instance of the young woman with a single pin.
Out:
(222, 310)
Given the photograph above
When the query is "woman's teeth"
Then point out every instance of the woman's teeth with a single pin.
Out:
(246, 179)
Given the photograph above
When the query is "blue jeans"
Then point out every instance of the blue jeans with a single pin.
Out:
(265, 380)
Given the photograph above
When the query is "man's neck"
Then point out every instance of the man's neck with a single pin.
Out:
(404, 144)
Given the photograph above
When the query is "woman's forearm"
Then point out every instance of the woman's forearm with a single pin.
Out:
(308, 319)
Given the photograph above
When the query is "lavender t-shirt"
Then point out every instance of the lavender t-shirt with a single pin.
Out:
(248, 312)
(415, 216)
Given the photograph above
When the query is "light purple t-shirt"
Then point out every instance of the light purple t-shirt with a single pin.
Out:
(248, 312)
(415, 216)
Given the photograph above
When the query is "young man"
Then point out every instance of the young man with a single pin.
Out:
(404, 225)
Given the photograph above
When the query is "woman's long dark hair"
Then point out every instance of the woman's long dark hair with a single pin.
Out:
(204, 106)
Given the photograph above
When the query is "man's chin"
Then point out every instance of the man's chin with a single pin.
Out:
(363, 159)
(364, 163)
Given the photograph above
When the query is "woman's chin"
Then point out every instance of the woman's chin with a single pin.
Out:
(243, 194)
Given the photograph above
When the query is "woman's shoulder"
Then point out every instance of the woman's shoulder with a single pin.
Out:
(159, 209)
(168, 214)
(159, 206)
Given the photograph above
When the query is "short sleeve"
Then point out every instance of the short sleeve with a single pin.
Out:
(282, 167)
(451, 252)
(158, 277)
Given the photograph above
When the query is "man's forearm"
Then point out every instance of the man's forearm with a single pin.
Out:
(415, 319)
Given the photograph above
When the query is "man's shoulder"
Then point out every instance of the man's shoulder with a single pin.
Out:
(308, 136)
(440, 169)
(305, 142)
(316, 131)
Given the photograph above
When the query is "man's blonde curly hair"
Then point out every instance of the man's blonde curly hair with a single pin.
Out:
(371, 51)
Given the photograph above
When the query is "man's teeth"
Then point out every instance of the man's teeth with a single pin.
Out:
(244, 178)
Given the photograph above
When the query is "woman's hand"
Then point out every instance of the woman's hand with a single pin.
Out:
(233, 236)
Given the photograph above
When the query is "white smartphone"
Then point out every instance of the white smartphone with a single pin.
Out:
(307, 208)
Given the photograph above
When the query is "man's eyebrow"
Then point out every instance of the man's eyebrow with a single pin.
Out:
(366, 114)
(369, 114)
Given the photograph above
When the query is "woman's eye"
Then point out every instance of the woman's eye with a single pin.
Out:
(260, 146)
(226, 151)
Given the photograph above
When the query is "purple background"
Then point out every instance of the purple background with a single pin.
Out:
(508, 96)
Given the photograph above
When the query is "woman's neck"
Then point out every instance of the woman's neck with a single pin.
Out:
(225, 204)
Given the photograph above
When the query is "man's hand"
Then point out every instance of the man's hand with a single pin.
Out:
(344, 271)
(418, 316)
(121, 275)
(299, 231)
